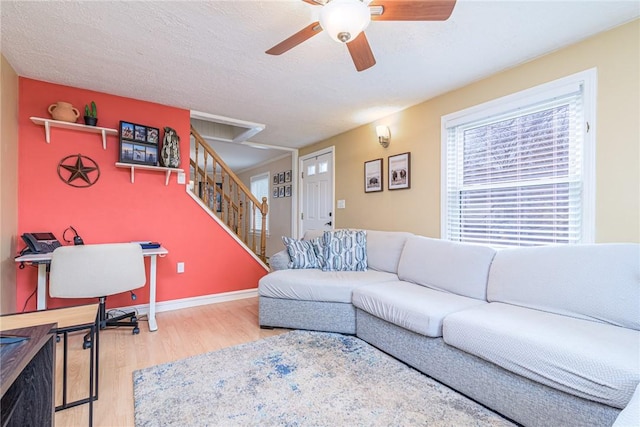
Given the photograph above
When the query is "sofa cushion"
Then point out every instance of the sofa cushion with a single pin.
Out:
(447, 266)
(593, 360)
(384, 249)
(413, 307)
(318, 285)
(598, 282)
(344, 250)
(302, 254)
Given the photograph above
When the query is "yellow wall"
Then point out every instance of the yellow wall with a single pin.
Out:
(8, 184)
(615, 53)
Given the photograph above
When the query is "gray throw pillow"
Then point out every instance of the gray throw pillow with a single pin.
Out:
(344, 250)
(302, 253)
(279, 260)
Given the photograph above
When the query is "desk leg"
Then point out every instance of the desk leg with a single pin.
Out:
(153, 325)
(42, 286)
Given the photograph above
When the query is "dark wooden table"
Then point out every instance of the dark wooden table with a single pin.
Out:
(27, 377)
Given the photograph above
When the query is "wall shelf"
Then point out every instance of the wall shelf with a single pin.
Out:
(133, 167)
(50, 123)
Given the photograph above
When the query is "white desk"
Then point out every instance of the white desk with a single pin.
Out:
(42, 260)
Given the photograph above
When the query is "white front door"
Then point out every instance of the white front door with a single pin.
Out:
(317, 192)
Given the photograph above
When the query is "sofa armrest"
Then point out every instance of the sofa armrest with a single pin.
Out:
(279, 260)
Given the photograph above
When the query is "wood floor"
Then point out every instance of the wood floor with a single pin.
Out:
(181, 333)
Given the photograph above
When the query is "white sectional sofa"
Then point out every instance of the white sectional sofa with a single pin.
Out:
(545, 336)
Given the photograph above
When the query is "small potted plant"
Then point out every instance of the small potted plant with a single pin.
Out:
(90, 115)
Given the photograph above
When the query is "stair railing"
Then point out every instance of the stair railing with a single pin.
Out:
(218, 187)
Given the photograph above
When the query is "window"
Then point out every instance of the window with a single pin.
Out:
(519, 171)
(260, 189)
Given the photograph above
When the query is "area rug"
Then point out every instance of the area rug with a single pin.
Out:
(299, 379)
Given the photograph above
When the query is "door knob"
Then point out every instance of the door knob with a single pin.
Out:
(328, 223)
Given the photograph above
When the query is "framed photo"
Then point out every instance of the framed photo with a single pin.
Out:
(152, 135)
(281, 178)
(400, 171)
(126, 130)
(142, 154)
(138, 144)
(287, 176)
(140, 133)
(373, 176)
(287, 191)
(275, 179)
(281, 191)
(275, 191)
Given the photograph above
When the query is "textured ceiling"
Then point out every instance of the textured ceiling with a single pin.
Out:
(209, 56)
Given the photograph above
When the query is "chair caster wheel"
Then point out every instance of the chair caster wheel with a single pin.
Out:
(57, 338)
(134, 319)
(86, 345)
(136, 330)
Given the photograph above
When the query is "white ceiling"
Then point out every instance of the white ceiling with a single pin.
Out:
(209, 56)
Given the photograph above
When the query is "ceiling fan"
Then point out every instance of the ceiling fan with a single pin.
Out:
(346, 20)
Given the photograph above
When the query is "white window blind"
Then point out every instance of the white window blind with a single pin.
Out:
(515, 176)
(260, 189)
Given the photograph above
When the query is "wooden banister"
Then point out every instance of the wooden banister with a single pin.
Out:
(237, 206)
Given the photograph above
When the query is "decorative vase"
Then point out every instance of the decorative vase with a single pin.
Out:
(64, 112)
(170, 153)
(90, 121)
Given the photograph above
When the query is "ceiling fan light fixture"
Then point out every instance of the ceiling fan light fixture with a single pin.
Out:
(344, 20)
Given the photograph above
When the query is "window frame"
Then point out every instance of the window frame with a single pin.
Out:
(265, 175)
(522, 100)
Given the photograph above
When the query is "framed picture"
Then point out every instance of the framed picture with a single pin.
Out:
(138, 144)
(287, 176)
(281, 191)
(373, 176)
(275, 179)
(281, 178)
(287, 191)
(126, 130)
(152, 135)
(275, 191)
(143, 154)
(140, 133)
(400, 171)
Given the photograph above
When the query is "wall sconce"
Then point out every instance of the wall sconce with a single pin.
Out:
(384, 135)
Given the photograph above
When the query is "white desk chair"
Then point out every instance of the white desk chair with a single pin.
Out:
(96, 271)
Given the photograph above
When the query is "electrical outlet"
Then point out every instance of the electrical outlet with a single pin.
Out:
(181, 177)
(181, 267)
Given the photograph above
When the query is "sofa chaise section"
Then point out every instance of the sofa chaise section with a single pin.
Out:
(321, 300)
(313, 299)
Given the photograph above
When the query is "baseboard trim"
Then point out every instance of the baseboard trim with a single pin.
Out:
(179, 304)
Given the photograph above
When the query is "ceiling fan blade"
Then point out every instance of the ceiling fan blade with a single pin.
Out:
(361, 53)
(315, 2)
(413, 10)
(293, 41)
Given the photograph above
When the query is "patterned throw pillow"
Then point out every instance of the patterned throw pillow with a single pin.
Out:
(344, 250)
(302, 253)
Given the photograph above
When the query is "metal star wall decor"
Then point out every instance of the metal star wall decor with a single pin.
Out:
(75, 167)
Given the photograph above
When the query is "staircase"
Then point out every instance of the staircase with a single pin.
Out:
(220, 190)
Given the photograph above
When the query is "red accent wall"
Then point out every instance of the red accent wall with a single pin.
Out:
(114, 209)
